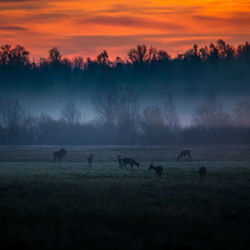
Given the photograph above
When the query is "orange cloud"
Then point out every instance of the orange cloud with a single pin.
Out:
(86, 27)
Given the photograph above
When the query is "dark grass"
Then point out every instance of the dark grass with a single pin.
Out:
(68, 206)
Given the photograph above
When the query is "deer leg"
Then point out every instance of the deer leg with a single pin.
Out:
(132, 166)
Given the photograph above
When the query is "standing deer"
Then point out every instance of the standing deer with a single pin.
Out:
(58, 155)
(158, 170)
(184, 154)
(202, 171)
(131, 162)
(90, 160)
(120, 161)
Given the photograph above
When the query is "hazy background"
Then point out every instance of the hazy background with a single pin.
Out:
(146, 94)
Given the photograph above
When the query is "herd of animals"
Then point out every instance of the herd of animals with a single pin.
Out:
(123, 162)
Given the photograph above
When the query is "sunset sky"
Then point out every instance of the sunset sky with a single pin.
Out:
(87, 27)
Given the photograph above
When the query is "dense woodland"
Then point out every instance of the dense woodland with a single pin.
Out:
(115, 86)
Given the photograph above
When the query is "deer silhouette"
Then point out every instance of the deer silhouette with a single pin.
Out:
(120, 161)
(202, 171)
(58, 155)
(90, 160)
(184, 154)
(158, 170)
(129, 161)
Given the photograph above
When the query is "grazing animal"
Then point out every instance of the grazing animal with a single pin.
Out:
(158, 170)
(90, 160)
(58, 155)
(183, 154)
(202, 171)
(129, 161)
(120, 161)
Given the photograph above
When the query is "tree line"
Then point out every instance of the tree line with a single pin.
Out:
(220, 65)
(116, 87)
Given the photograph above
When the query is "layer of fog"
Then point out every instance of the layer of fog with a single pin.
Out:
(185, 105)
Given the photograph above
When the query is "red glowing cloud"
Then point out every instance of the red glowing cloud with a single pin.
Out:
(87, 27)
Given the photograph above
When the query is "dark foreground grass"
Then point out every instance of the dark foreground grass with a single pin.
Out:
(67, 206)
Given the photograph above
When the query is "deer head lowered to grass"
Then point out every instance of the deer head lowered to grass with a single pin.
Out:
(184, 154)
(158, 170)
(58, 155)
(131, 163)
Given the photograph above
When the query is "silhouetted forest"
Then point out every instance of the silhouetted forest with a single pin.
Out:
(115, 88)
(221, 66)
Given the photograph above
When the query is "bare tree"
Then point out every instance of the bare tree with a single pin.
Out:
(171, 116)
(17, 56)
(163, 55)
(146, 55)
(55, 56)
(11, 113)
(103, 58)
(242, 113)
(105, 101)
(78, 63)
(70, 113)
(204, 114)
(138, 55)
(11, 116)
(142, 54)
(153, 116)
(211, 114)
(127, 115)
(106, 98)
(153, 125)
(116, 108)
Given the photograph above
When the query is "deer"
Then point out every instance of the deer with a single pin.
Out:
(120, 161)
(202, 171)
(129, 161)
(90, 160)
(158, 170)
(58, 155)
(184, 154)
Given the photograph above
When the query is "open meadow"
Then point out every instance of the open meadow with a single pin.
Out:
(67, 205)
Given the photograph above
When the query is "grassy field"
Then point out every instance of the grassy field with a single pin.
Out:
(46, 205)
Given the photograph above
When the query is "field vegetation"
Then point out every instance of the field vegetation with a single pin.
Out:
(67, 205)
